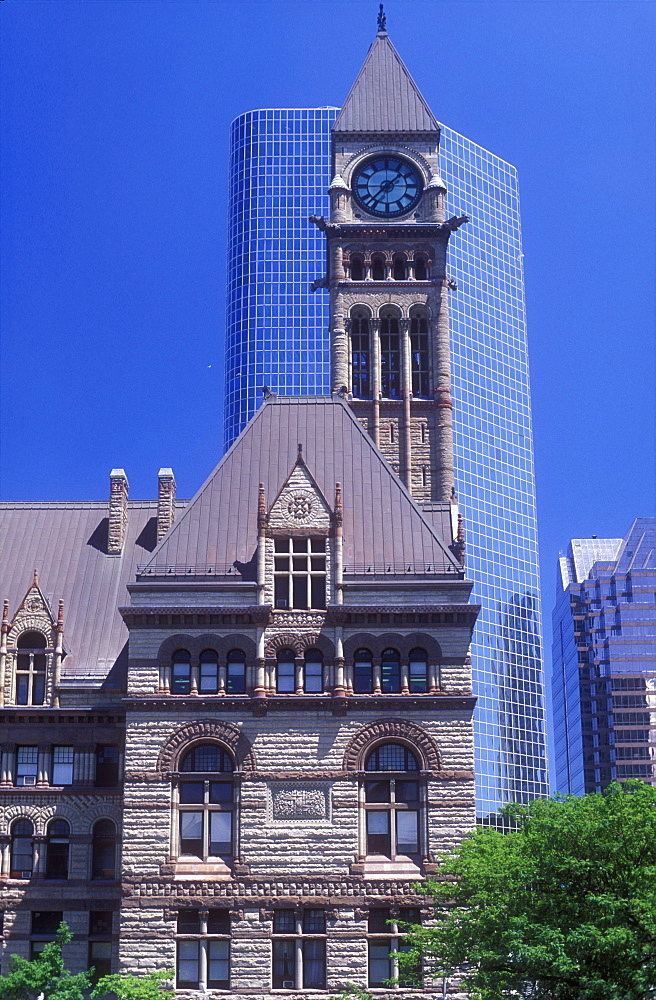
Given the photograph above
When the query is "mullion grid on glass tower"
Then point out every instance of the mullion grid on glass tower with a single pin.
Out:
(277, 335)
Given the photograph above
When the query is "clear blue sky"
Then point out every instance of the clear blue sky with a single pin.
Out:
(114, 161)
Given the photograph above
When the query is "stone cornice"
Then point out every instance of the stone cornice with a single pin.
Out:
(457, 701)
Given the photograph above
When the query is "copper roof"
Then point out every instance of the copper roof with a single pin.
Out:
(384, 97)
(383, 526)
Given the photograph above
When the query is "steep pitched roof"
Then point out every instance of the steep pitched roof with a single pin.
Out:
(382, 524)
(384, 97)
(68, 544)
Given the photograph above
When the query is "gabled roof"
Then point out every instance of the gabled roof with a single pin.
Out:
(383, 526)
(67, 542)
(384, 97)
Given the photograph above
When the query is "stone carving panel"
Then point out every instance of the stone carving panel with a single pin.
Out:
(294, 802)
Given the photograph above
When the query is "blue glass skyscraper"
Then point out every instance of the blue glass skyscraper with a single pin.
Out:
(277, 335)
(604, 676)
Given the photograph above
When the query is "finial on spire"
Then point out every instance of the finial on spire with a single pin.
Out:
(35, 580)
(382, 21)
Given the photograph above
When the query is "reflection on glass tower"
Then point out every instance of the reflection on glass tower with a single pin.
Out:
(277, 335)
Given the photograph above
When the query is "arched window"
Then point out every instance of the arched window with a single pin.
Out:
(103, 850)
(208, 681)
(236, 672)
(392, 802)
(418, 670)
(390, 671)
(399, 267)
(419, 353)
(421, 271)
(360, 377)
(363, 672)
(181, 672)
(22, 849)
(57, 849)
(285, 672)
(31, 669)
(206, 803)
(357, 267)
(378, 267)
(313, 672)
(390, 356)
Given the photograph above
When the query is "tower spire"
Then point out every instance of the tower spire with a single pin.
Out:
(382, 21)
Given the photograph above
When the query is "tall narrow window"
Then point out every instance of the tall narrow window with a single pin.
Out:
(313, 672)
(57, 849)
(26, 765)
(31, 669)
(418, 670)
(62, 766)
(392, 802)
(103, 850)
(390, 356)
(203, 947)
(357, 267)
(285, 672)
(419, 351)
(206, 803)
(360, 367)
(363, 672)
(181, 672)
(378, 267)
(236, 672)
(299, 949)
(385, 941)
(399, 267)
(106, 766)
(300, 573)
(421, 271)
(390, 669)
(45, 924)
(100, 943)
(209, 672)
(22, 849)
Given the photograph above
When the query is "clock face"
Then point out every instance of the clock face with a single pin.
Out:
(387, 186)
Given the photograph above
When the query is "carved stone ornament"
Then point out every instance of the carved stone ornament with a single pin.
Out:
(289, 802)
(398, 731)
(291, 640)
(304, 619)
(206, 729)
(300, 506)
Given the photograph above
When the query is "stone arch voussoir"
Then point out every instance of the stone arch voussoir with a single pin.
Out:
(206, 729)
(398, 730)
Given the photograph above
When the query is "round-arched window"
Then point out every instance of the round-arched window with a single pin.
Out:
(206, 803)
(392, 805)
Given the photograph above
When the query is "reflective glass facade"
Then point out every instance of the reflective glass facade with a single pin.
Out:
(604, 665)
(277, 335)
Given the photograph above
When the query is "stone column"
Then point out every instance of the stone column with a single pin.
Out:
(405, 677)
(3, 649)
(377, 676)
(43, 764)
(39, 863)
(5, 854)
(444, 477)
(59, 654)
(8, 765)
(299, 679)
(405, 445)
(374, 326)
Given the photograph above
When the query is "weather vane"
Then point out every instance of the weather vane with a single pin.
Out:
(382, 20)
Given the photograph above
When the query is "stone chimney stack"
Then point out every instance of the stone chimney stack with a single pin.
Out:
(118, 511)
(165, 501)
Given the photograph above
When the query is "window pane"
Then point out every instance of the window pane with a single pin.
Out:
(220, 791)
(191, 792)
(284, 965)
(284, 921)
(407, 832)
(313, 677)
(218, 922)
(218, 963)
(378, 920)
(379, 963)
(191, 833)
(236, 683)
(314, 922)
(377, 791)
(285, 680)
(300, 585)
(318, 591)
(363, 676)
(220, 832)
(407, 791)
(188, 922)
(209, 677)
(62, 765)
(378, 833)
(314, 964)
(38, 689)
(188, 963)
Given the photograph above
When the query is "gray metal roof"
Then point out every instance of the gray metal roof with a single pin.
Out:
(383, 526)
(67, 543)
(384, 97)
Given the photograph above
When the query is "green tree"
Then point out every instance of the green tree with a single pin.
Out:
(44, 975)
(127, 987)
(352, 992)
(561, 908)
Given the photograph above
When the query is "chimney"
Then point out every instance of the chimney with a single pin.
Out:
(118, 511)
(165, 501)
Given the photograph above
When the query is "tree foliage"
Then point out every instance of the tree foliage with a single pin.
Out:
(128, 987)
(561, 908)
(44, 975)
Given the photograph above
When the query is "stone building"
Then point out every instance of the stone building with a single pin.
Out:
(238, 731)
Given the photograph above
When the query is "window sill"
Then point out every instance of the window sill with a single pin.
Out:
(379, 866)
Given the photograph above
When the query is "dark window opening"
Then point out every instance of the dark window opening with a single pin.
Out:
(236, 672)
(103, 851)
(378, 268)
(57, 847)
(363, 672)
(357, 268)
(107, 761)
(181, 672)
(390, 357)
(419, 355)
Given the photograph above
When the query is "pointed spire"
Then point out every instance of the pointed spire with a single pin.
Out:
(382, 21)
(384, 97)
(35, 581)
(339, 510)
(460, 541)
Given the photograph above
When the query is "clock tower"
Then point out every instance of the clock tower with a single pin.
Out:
(387, 239)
